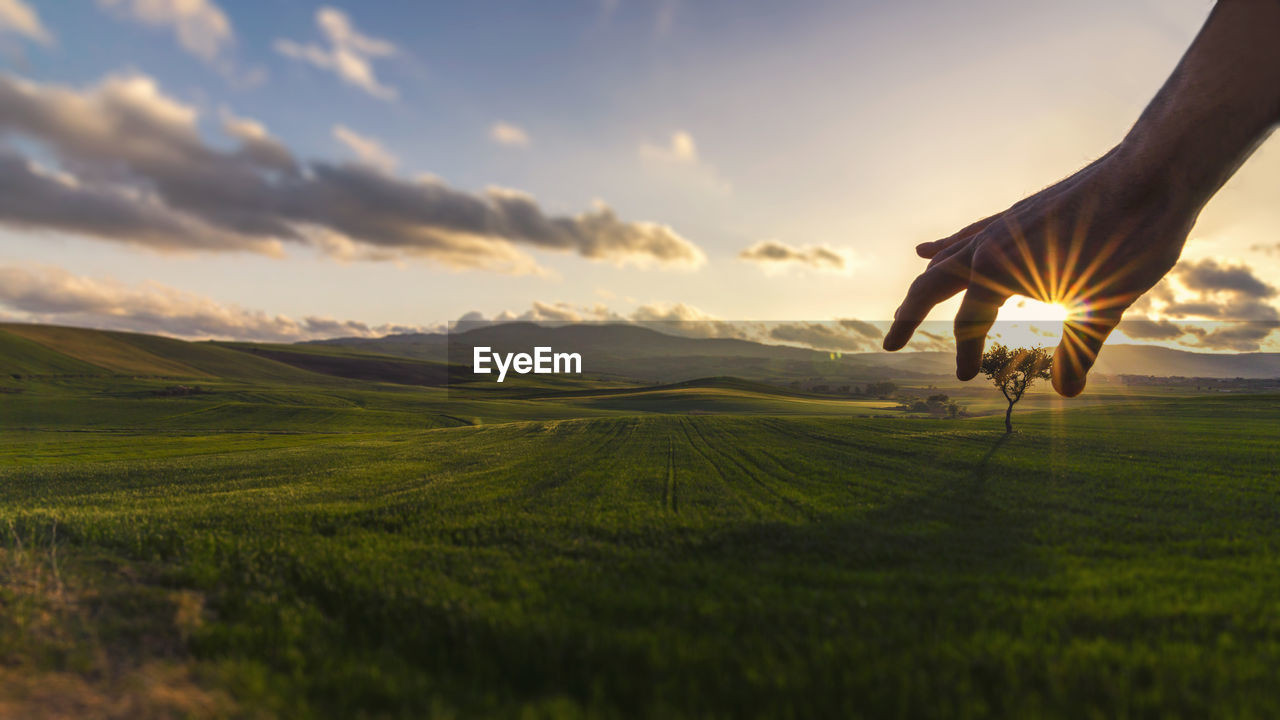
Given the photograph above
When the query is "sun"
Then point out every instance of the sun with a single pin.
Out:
(1024, 322)
(1027, 310)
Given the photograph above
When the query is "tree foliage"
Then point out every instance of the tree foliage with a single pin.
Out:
(1013, 370)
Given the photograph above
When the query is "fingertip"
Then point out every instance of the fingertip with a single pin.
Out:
(926, 250)
(968, 355)
(893, 340)
(900, 333)
(1067, 381)
(1068, 387)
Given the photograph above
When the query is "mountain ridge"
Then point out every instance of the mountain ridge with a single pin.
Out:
(1118, 359)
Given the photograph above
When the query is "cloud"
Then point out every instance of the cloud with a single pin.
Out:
(670, 318)
(822, 336)
(507, 134)
(349, 54)
(21, 19)
(34, 198)
(1238, 336)
(53, 295)
(1230, 296)
(1209, 276)
(607, 10)
(202, 28)
(862, 327)
(370, 151)
(688, 321)
(925, 341)
(771, 253)
(133, 168)
(1141, 328)
(678, 158)
(665, 18)
(680, 149)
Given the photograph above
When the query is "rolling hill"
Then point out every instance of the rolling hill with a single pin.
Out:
(617, 353)
(645, 353)
(56, 351)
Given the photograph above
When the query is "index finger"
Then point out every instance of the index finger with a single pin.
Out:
(932, 287)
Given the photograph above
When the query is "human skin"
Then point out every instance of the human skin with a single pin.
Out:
(1099, 239)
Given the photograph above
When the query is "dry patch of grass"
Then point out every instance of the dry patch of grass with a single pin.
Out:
(90, 639)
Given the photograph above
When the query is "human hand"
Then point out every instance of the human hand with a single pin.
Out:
(1093, 243)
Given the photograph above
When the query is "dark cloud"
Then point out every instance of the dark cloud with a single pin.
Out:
(1209, 276)
(1140, 328)
(133, 167)
(1194, 308)
(773, 252)
(862, 327)
(1230, 296)
(821, 336)
(1239, 336)
(52, 295)
(928, 341)
(32, 198)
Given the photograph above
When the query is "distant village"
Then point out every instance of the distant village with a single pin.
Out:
(1203, 383)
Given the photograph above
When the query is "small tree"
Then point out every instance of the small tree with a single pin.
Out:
(1012, 371)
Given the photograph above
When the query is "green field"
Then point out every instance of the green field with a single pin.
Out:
(286, 543)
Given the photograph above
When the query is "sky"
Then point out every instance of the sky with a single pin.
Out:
(283, 170)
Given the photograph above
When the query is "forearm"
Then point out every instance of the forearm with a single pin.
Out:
(1220, 103)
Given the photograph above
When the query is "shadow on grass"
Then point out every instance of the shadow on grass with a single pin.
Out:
(951, 526)
(824, 617)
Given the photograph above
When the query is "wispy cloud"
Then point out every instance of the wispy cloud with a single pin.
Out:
(505, 133)
(681, 148)
(369, 151)
(678, 158)
(349, 54)
(664, 19)
(202, 28)
(19, 18)
(134, 168)
(673, 318)
(779, 255)
(53, 295)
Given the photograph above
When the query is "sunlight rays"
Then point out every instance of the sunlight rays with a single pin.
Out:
(1063, 286)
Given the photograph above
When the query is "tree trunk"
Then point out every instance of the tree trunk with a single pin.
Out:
(1008, 419)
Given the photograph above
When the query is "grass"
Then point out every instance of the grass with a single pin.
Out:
(338, 550)
(21, 357)
(52, 350)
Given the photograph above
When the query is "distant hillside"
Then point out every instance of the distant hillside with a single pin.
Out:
(1165, 362)
(645, 353)
(619, 351)
(1115, 360)
(340, 361)
(419, 346)
(56, 351)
